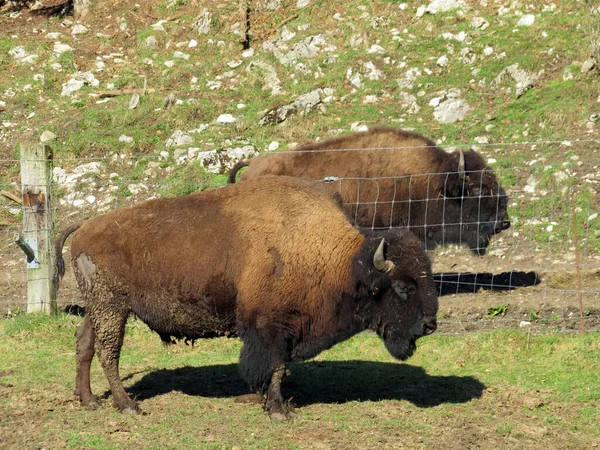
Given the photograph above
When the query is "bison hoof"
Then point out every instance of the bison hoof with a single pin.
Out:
(254, 399)
(131, 411)
(280, 412)
(90, 402)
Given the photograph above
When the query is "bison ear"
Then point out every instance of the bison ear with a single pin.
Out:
(403, 287)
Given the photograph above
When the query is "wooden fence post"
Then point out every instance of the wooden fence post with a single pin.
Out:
(38, 225)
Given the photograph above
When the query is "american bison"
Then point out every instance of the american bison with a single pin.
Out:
(274, 261)
(394, 178)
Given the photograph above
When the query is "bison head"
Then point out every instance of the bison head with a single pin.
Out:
(403, 303)
(471, 204)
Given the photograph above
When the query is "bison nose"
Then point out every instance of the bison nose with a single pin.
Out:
(429, 325)
(503, 225)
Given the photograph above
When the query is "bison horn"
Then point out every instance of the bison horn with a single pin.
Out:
(461, 165)
(379, 260)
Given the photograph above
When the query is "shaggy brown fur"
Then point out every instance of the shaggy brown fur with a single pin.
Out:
(395, 178)
(273, 260)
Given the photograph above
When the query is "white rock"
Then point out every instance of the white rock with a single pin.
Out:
(53, 36)
(273, 146)
(178, 138)
(488, 51)
(137, 188)
(592, 217)
(482, 139)
(181, 55)
(248, 53)
(442, 61)
(526, 21)
(78, 203)
(444, 5)
(47, 136)
(376, 49)
(60, 48)
(150, 42)
(158, 26)
(126, 139)
(421, 11)
(234, 64)
(373, 72)
(226, 119)
(193, 43)
(164, 155)
(356, 126)
(451, 111)
(90, 199)
(524, 324)
(79, 29)
(302, 3)
(491, 161)
(203, 22)
(240, 106)
(169, 63)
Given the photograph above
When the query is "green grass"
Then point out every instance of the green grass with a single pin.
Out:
(491, 386)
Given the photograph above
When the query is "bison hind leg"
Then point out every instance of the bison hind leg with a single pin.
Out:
(84, 350)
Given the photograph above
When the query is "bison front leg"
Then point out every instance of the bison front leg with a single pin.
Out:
(84, 350)
(275, 405)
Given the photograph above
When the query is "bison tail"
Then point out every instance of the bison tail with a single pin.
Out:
(233, 172)
(60, 242)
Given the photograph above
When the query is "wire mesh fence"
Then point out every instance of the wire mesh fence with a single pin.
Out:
(515, 244)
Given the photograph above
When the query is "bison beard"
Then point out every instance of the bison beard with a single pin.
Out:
(394, 178)
(273, 260)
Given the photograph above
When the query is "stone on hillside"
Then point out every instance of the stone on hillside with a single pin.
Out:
(47, 136)
(137, 188)
(222, 160)
(225, 119)
(302, 3)
(181, 55)
(479, 22)
(421, 11)
(178, 138)
(79, 29)
(126, 139)
(21, 55)
(437, 6)
(134, 101)
(451, 110)
(269, 78)
(377, 49)
(271, 5)
(588, 65)
(303, 104)
(442, 61)
(193, 43)
(60, 48)
(77, 81)
(202, 23)
(158, 26)
(307, 49)
(150, 42)
(526, 21)
(525, 81)
(373, 73)
(567, 74)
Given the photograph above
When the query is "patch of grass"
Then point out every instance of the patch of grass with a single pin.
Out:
(497, 311)
(355, 391)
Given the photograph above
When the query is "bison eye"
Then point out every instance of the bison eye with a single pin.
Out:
(404, 287)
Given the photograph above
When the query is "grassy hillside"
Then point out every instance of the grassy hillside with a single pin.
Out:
(517, 67)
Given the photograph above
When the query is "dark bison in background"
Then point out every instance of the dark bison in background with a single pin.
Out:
(274, 261)
(394, 178)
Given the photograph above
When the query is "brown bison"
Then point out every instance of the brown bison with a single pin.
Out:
(274, 261)
(394, 178)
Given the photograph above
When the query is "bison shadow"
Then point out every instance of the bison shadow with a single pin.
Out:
(448, 283)
(319, 382)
